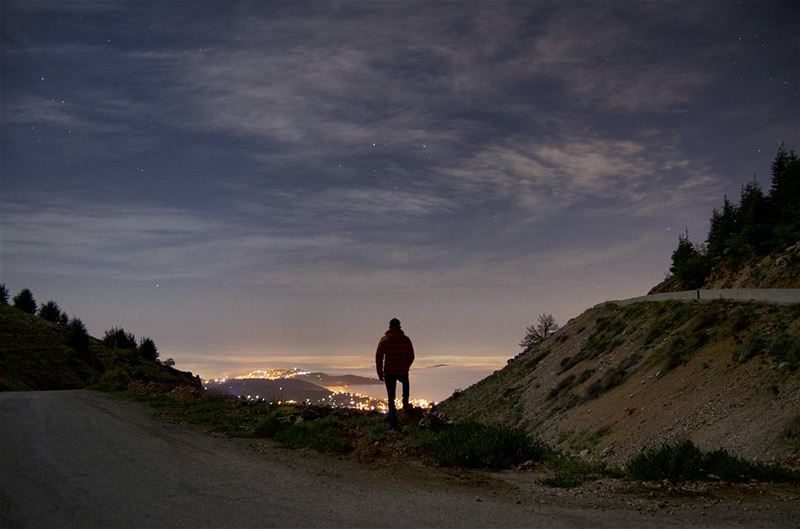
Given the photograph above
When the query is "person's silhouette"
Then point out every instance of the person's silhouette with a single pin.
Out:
(393, 358)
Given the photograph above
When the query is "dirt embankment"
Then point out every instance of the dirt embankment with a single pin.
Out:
(618, 379)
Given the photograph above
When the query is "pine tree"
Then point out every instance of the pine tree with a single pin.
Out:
(689, 265)
(147, 349)
(117, 338)
(78, 339)
(785, 197)
(50, 311)
(3, 294)
(24, 301)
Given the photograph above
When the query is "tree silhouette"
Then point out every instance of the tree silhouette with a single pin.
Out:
(689, 265)
(50, 311)
(24, 301)
(757, 226)
(534, 334)
(78, 338)
(117, 338)
(3, 294)
(147, 349)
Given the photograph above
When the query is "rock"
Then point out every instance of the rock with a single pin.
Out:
(782, 262)
(607, 451)
(784, 366)
(584, 452)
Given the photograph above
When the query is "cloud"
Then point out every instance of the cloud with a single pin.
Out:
(543, 178)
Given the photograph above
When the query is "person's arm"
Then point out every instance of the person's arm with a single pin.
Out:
(379, 354)
(411, 351)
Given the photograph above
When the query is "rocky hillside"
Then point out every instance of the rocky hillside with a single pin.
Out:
(617, 379)
(777, 270)
(35, 355)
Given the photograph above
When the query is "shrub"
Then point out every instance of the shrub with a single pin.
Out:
(792, 430)
(786, 348)
(685, 462)
(743, 318)
(682, 461)
(116, 379)
(566, 383)
(474, 445)
(755, 345)
(682, 348)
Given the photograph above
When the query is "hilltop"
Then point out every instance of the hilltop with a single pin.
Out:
(754, 243)
(618, 379)
(36, 354)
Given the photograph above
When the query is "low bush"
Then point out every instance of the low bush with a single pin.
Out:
(116, 379)
(571, 472)
(792, 430)
(566, 383)
(755, 345)
(474, 445)
(686, 462)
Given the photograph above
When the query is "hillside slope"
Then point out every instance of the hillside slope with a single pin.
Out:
(777, 270)
(35, 355)
(617, 379)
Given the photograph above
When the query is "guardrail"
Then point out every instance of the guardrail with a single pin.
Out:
(781, 296)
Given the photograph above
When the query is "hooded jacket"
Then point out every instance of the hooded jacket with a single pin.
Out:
(395, 353)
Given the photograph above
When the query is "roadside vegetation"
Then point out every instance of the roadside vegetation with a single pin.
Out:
(686, 462)
(427, 437)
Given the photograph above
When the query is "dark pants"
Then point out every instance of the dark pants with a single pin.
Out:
(391, 390)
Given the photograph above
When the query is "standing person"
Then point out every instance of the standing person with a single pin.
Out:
(393, 358)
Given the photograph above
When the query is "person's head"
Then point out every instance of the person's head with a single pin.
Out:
(394, 323)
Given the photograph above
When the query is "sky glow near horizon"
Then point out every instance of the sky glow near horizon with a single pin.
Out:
(264, 185)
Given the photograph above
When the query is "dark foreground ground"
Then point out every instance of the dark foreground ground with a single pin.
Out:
(85, 459)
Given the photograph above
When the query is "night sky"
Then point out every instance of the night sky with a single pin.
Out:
(257, 184)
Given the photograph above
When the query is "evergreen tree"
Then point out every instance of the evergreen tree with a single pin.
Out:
(63, 320)
(689, 265)
(724, 225)
(50, 311)
(3, 294)
(785, 197)
(78, 339)
(24, 301)
(754, 218)
(117, 338)
(147, 349)
(77, 336)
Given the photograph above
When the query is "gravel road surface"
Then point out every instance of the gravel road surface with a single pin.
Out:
(85, 459)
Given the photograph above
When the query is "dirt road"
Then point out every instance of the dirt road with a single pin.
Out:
(84, 459)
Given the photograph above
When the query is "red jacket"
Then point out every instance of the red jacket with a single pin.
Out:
(395, 353)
